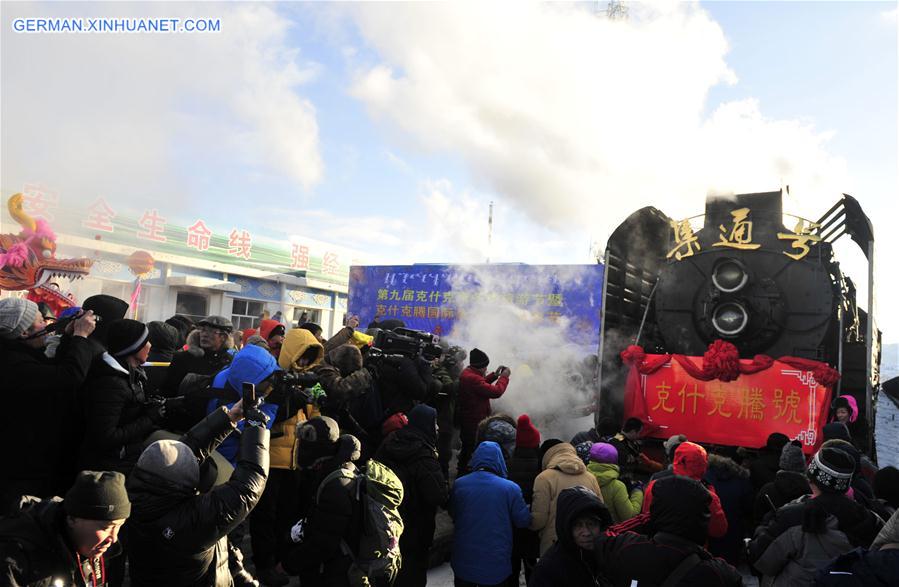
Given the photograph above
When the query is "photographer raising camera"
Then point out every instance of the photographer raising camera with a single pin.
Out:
(476, 389)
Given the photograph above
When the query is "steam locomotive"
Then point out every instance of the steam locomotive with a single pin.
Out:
(738, 273)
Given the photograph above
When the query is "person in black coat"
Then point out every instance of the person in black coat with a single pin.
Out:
(177, 536)
(164, 344)
(570, 562)
(317, 557)
(210, 358)
(524, 466)
(411, 452)
(877, 566)
(829, 474)
(765, 466)
(680, 516)
(118, 418)
(790, 483)
(54, 542)
(39, 395)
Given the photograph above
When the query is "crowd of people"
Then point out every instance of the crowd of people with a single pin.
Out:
(153, 453)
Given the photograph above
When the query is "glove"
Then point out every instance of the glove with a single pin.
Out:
(255, 417)
(297, 531)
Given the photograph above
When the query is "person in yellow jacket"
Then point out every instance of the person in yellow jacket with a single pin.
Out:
(562, 468)
(279, 506)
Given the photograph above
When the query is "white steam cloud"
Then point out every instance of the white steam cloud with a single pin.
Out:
(579, 120)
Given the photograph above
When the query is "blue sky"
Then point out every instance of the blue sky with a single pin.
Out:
(388, 128)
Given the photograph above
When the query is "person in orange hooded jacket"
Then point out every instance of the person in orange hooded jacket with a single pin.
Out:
(691, 460)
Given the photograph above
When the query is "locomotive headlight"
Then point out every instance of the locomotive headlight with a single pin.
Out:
(730, 318)
(729, 275)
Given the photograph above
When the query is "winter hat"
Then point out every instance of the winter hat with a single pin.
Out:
(217, 322)
(672, 443)
(502, 433)
(173, 461)
(791, 457)
(836, 431)
(126, 337)
(680, 506)
(886, 485)
(183, 324)
(16, 316)
(424, 418)
(256, 340)
(318, 439)
(776, 442)
(526, 435)
(393, 423)
(98, 495)
(478, 359)
(164, 337)
(603, 452)
(842, 401)
(109, 309)
(583, 450)
(831, 470)
(548, 444)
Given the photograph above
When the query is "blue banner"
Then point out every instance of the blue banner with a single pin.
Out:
(434, 297)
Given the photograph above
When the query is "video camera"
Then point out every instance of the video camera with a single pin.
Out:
(405, 342)
(295, 386)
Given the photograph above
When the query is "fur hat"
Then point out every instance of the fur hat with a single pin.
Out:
(502, 433)
(831, 470)
(603, 452)
(791, 457)
(526, 435)
(16, 316)
(126, 337)
(478, 359)
(318, 438)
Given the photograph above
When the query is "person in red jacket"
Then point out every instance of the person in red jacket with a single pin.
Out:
(476, 389)
(691, 460)
(273, 333)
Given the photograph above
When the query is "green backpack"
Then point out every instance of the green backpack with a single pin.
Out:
(380, 492)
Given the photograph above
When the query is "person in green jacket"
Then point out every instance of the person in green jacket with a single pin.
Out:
(604, 465)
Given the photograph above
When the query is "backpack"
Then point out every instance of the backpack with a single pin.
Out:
(379, 492)
(367, 410)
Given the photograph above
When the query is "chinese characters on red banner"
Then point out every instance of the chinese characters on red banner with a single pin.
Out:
(737, 413)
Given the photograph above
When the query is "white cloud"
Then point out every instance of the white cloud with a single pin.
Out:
(579, 120)
(142, 115)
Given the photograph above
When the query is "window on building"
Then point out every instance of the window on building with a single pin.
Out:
(192, 305)
(245, 313)
(301, 315)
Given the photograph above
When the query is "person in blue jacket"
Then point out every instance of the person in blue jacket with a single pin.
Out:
(485, 506)
(254, 365)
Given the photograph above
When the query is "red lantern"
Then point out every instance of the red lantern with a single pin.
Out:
(141, 263)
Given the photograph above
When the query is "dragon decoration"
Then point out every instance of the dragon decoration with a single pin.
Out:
(28, 261)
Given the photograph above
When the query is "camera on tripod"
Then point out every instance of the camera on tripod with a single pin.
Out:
(406, 342)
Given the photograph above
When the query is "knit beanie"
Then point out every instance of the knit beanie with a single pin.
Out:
(526, 435)
(394, 423)
(603, 452)
(173, 461)
(318, 439)
(109, 309)
(424, 418)
(126, 337)
(672, 443)
(502, 433)
(478, 359)
(98, 495)
(836, 431)
(16, 316)
(583, 451)
(548, 444)
(831, 470)
(791, 457)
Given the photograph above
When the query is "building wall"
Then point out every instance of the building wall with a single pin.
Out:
(886, 432)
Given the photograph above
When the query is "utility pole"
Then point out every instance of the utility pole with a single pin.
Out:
(489, 231)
